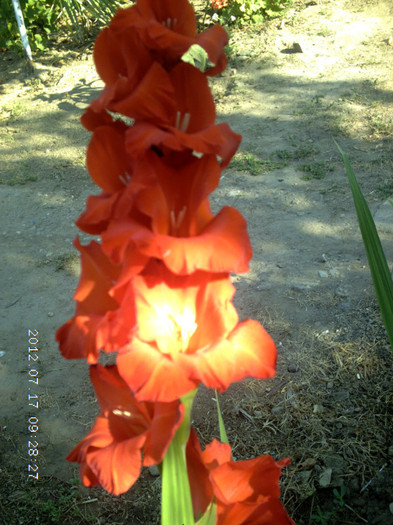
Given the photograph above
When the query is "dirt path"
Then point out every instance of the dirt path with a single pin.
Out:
(323, 73)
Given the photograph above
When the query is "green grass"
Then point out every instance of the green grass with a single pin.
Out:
(385, 190)
(314, 170)
(299, 153)
(18, 179)
(247, 161)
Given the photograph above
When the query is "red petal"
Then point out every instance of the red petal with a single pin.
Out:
(159, 12)
(213, 41)
(107, 160)
(152, 375)
(98, 212)
(77, 338)
(97, 277)
(92, 119)
(223, 246)
(198, 475)
(167, 419)
(249, 351)
(152, 99)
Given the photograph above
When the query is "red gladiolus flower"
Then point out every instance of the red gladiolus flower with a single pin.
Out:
(187, 332)
(168, 29)
(140, 44)
(126, 435)
(98, 323)
(174, 222)
(190, 122)
(245, 492)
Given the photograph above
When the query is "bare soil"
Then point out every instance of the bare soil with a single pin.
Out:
(293, 86)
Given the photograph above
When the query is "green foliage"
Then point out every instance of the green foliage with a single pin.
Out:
(330, 517)
(245, 12)
(247, 161)
(40, 18)
(314, 170)
(43, 17)
(82, 14)
(379, 269)
(323, 517)
(339, 496)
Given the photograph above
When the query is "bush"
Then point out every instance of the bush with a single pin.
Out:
(40, 17)
(239, 12)
(43, 17)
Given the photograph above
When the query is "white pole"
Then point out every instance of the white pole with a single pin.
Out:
(22, 32)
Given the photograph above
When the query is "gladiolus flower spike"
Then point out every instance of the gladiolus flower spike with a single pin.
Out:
(156, 290)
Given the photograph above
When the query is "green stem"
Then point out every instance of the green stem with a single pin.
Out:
(176, 504)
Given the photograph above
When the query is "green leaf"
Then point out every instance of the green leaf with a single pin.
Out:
(379, 269)
(197, 57)
(223, 432)
(209, 518)
(176, 503)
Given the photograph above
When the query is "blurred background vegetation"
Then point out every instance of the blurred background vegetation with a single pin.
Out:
(46, 20)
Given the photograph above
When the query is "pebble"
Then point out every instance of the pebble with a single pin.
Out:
(325, 478)
(291, 398)
(154, 471)
(51, 314)
(322, 274)
(292, 368)
(391, 507)
(317, 409)
(303, 287)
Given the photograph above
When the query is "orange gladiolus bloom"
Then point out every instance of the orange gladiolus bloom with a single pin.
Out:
(245, 492)
(140, 44)
(126, 435)
(187, 332)
(167, 29)
(170, 29)
(99, 322)
(189, 123)
(171, 219)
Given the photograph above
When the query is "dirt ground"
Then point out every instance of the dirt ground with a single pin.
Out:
(293, 86)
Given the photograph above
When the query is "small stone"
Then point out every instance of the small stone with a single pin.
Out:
(154, 471)
(335, 462)
(304, 476)
(292, 368)
(391, 507)
(51, 314)
(317, 409)
(291, 398)
(342, 292)
(325, 478)
(297, 48)
(308, 463)
(333, 272)
(322, 274)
